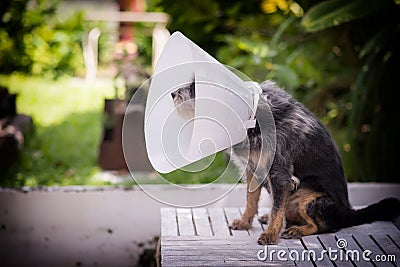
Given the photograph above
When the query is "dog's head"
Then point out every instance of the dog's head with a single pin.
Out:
(184, 100)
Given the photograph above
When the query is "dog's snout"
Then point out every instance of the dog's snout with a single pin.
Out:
(173, 94)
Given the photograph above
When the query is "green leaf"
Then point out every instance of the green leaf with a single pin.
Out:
(285, 75)
(373, 44)
(336, 12)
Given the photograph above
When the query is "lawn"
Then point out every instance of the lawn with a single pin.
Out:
(68, 115)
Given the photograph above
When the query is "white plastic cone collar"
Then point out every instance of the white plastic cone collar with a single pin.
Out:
(224, 107)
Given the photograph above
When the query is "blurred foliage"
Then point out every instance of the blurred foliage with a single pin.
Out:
(338, 57)
(336, 12)
(106, 41)
(33, 40)
(376, 89)
(143, 39)
(264, 39)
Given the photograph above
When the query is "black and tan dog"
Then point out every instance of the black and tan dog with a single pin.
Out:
(304, 149)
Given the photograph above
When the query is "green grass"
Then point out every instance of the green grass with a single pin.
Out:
(67, 115)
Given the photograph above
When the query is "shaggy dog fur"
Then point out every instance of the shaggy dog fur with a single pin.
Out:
(306, 150)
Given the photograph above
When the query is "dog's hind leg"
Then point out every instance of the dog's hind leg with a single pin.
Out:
(295, 183)
(301, 219)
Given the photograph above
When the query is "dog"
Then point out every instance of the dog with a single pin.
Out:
(306, 178)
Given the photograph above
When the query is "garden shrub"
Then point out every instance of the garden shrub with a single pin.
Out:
(34, 40)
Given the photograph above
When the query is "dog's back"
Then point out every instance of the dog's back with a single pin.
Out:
(306, 143)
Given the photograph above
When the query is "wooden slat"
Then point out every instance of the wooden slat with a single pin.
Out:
(299, 261)
(291, 243)
(387, 245)
(329, 242)
(218, 221)
(276, 253)
(222, 247)
(395, 238)
(246, 239)
(232, 214)
(256, 228)
(226, 249)
(185, 222)
(216, 244)
(312, 243)
(293, 246)
(353, 246)
(366, 242)
(169, 225)
(220, 251)
(220, 262)
(201, 221)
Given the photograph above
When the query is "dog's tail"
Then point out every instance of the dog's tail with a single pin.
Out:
(385, 210)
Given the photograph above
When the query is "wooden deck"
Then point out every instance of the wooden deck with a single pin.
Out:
(201, 237)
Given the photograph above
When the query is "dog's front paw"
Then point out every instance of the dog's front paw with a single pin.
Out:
(239, 224)
(293, 232)
(267, 238)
